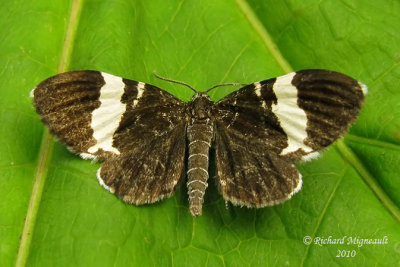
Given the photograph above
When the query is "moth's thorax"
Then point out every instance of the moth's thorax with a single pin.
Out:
(201, 106)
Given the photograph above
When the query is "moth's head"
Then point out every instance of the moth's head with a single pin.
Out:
(201, 106)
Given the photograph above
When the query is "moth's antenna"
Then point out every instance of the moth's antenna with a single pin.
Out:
(174, 81)
(225, 84)
(194, 90)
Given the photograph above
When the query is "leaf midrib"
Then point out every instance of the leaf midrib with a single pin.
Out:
(46, 147)
(372, 142)
(264, 35)
(355, 162)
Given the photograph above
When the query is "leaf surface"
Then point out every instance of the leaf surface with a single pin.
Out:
(53, 212)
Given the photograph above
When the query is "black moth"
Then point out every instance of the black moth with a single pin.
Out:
(141, 132)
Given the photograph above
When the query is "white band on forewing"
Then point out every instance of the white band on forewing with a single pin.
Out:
(106, 118)
(292, 118)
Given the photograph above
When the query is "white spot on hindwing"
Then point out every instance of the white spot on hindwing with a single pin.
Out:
(101, 182)
(310, 156)
(297, 188)
(292, 118)
(106, 118)
(87, 156)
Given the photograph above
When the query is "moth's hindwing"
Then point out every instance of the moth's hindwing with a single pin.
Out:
(263, 127)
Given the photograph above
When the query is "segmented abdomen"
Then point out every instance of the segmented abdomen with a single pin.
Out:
(200, 135)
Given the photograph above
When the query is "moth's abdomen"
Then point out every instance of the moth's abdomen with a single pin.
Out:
(200, 135)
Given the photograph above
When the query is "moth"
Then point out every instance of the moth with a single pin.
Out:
(141, 133)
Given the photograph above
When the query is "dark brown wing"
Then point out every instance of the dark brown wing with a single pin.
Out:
(65, 103)
(150, 171)
(136, 128)
(263, 127)
(99, 115)
(249, 174)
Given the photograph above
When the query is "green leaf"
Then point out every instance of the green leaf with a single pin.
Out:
(54, 213)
